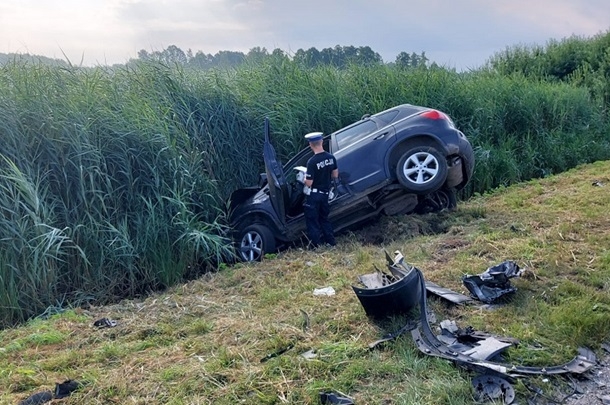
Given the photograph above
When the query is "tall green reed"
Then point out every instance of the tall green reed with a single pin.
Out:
(98, 178)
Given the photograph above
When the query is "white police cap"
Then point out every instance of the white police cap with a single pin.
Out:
(314, 136)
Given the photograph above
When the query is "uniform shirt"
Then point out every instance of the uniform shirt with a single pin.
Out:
(319, 169)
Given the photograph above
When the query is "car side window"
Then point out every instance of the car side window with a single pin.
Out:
(355, 133)
(387, 117)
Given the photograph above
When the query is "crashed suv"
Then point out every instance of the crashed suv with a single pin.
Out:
(401, 160)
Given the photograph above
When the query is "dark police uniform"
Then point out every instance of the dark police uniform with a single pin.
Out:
(319, 169)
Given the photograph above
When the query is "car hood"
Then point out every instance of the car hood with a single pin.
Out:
(244, 201)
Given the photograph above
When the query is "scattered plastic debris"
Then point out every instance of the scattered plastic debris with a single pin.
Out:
(105, 323)
(278, 352)
(309, 354)
(388, 293)
(487, 387)
(493, 283)
(62, 390)
(38, 398)
(324, 291)
(327, 398)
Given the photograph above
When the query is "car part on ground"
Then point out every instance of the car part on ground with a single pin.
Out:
(385, 294)
(428, 343)
(493, 283)
(278, 352)
(492, 388)
(328, 398)
(447, 294)
(62, 390)
(481, 346)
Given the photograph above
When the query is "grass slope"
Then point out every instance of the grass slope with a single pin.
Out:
(203, 342)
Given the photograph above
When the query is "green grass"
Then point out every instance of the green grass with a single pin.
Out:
(202, 342)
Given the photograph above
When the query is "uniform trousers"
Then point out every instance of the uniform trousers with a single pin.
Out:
(319, 227)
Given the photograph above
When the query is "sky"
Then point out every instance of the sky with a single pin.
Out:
(459, 34)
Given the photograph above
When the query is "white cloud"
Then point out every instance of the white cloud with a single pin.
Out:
(461, 34)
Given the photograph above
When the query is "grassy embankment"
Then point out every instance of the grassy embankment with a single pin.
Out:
(202, 342)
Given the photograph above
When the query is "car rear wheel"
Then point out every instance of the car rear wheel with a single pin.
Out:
(255, 241)
(422, 170)
(443, 199)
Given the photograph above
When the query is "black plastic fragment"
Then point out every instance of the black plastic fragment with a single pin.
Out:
(38, 398)
(489, 387)
(493, 283)
(66, 388)
(332, 398)
(277, 353)
(104, 323)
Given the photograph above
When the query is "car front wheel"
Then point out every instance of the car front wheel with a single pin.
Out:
(255, 241)
(422, 170)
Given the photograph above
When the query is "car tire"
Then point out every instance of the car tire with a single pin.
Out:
(422, 170)
(254, 242)
(443, 199)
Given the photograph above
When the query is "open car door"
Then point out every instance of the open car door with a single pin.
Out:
(275, 177)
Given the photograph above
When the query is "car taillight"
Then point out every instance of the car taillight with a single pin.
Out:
(434, 115)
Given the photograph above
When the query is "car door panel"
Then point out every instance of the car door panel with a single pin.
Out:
(275, 177)
(362, 162)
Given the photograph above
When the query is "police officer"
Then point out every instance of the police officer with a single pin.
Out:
(322, 173)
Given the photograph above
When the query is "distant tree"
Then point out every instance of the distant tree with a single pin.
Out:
(308, 58)
(170, 55)
(404, 60)
(278, 53)
(338, 56)
(327, 56)
(257, 54)
(173, 54)
(228, 59)
(143, 54)
(366, 56)
(21, 57)
(201, 60)
(350, 53)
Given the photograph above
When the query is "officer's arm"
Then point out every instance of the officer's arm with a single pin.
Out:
(335, 174)
(309, 174)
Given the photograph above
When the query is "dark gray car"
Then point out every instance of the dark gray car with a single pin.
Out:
(400, 160)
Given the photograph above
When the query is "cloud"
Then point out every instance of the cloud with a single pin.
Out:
(462, 34)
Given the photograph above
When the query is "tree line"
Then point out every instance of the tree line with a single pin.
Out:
(337, 56)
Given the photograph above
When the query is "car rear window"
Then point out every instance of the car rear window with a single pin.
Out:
(387, 116)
